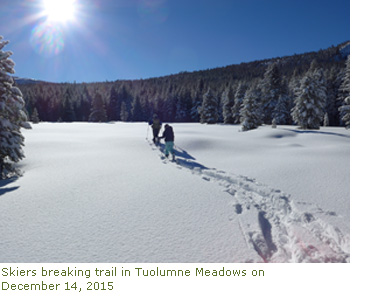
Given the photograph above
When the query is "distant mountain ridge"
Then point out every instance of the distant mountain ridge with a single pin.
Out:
(342, 51)
(21, 81)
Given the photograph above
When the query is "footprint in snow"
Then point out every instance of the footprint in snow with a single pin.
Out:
(231, 191)
(238, 208)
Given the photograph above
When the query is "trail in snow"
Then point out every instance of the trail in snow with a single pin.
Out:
(269, 221)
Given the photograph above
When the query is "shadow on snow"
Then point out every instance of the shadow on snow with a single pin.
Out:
(317, 132)
(183, 158)
(4, 183)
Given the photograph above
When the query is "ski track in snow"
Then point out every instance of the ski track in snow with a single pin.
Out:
(283, 234)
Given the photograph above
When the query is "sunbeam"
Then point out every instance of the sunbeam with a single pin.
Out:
(60, 10)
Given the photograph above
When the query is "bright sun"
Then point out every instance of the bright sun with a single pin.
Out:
(59, 10)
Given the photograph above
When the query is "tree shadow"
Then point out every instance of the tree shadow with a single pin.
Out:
(317, 132)
(5, 182)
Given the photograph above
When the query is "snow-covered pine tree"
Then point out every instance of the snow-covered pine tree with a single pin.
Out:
(197, 99)
(98, 111)
(250, 112)
(196, 105)
(345, 96)
(12, 116)
(35, 116)
(271, 88)
(295, 82)
(334, 78)
(294, 88)
(209, 109)
(238, 101)
(281, 113)
(308, 111)
(345, 112)
(227, 100)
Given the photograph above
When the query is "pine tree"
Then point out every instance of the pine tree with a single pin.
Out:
(148, 109)
(69, 114)
(113, 112)
(271, 88)
(250, 110)
(281, 114)
(169, 109)
(98, 111)
(196, 106)
(126, 104)
(12, 116)
(137, 110)
(345, 96)
(294, 83)
(209, 109)
(183, 106)
(35, 116)
(334, 78)
(85, 104)
(308, 111)
(227, 100)
(238, 101)
(124, 115)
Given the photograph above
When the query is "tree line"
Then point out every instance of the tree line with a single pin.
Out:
(265, 90)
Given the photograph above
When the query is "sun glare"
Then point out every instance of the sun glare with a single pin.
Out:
(59, 10)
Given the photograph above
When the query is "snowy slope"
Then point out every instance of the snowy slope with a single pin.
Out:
(103, 193)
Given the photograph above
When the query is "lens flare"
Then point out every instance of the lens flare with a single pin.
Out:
(47, 39)
(59, 10)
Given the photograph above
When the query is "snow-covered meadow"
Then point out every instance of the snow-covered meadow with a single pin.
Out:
(103, 193)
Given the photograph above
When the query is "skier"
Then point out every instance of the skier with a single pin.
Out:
(156, 126)
(169, 138)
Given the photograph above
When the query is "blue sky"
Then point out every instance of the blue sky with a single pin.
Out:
(134, 39)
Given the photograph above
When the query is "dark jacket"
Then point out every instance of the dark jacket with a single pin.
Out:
(168, 134)
(156, 123)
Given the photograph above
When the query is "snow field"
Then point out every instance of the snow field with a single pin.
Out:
(102, 193)
(98, 193)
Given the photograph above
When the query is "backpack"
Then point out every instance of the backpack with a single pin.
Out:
(156, 124)
(168, 134)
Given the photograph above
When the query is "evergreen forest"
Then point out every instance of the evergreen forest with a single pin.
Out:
(310, 90)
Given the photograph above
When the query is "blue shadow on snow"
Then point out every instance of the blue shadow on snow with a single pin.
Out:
(4, 183)
(183, 158)
(317, 132)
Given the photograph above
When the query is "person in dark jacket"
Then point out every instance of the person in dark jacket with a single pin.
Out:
(169, 138)
(156, 126)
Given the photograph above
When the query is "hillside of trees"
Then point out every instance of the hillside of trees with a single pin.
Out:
(282, 90)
